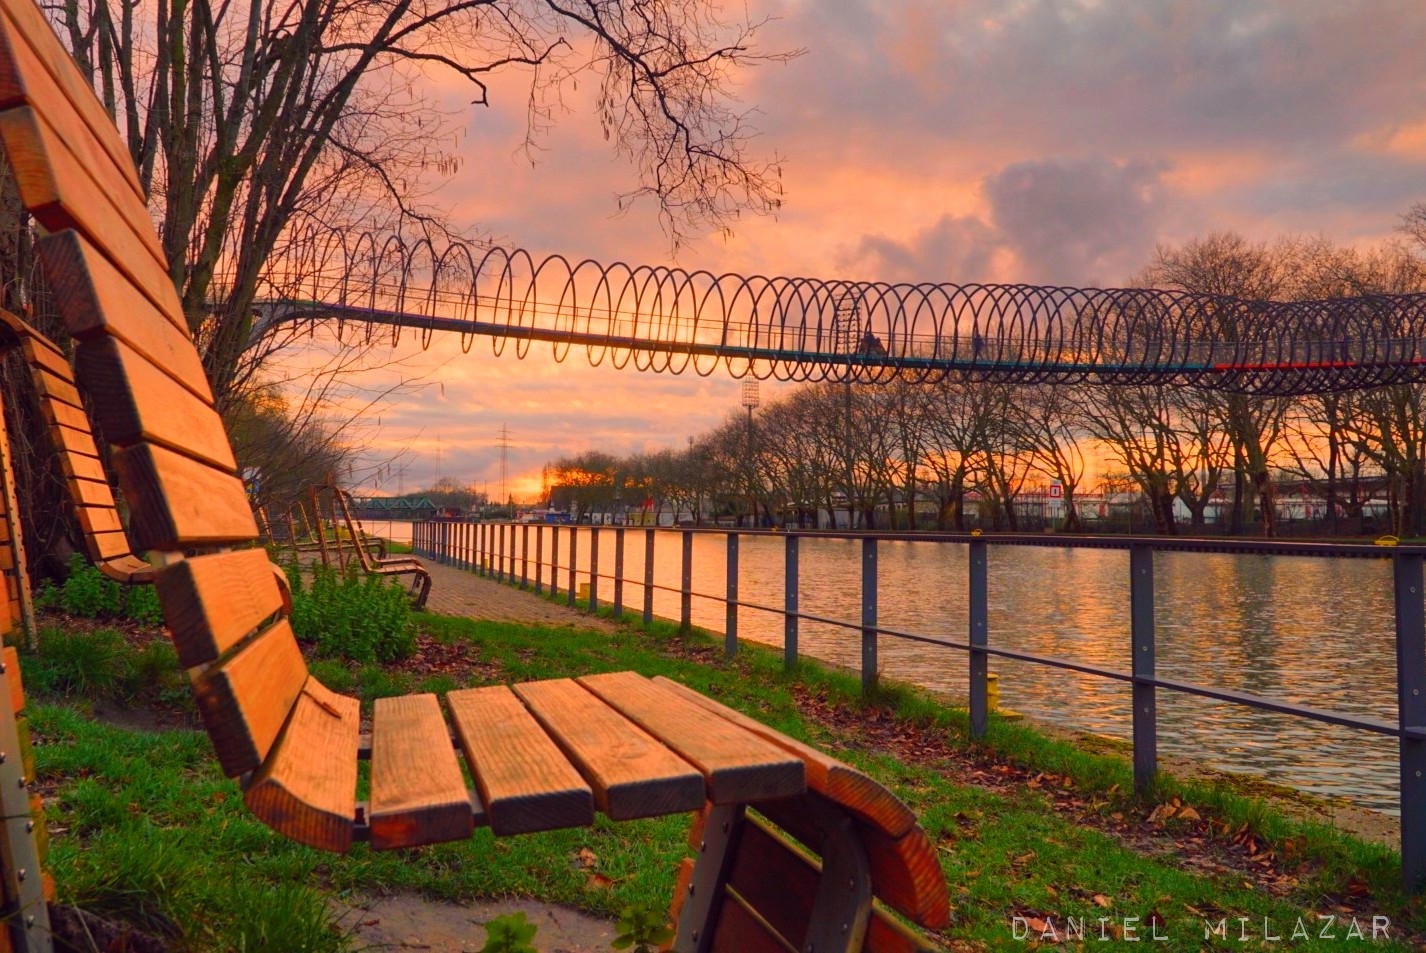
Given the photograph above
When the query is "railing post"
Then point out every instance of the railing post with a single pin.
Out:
(979, 634)
(593, 568)
(1411, 713)
(869, 660)
(480, 549)
(573, 562)
(500, 553)
(463, 544)
(730, 625)
(510, 553)
(685, 591)
(555, 560)
(524, 555)
(649, 576)
(789, 601)
(1141, 614)
(618, 574)
(539, 558)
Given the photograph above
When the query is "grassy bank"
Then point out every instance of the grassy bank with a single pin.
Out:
(144, 827)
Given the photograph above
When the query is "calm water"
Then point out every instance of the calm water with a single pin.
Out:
(1317, 632)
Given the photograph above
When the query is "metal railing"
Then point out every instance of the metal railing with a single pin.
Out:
(490, 549)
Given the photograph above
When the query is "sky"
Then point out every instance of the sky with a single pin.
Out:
(1037, 141)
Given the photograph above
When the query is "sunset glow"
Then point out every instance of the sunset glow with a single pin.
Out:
(1050, 142)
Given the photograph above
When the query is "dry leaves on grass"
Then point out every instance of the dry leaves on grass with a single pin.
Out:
(1194, 841)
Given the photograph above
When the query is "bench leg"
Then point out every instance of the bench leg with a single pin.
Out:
(700, 891)
(843, 907)
(425, 580)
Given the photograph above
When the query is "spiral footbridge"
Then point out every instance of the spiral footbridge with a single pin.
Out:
(671, 320)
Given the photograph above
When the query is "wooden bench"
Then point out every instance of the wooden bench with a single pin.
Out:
(541, 755)
(75, 453)
(372, 564)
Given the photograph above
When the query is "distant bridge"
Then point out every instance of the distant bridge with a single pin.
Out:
(804, 329)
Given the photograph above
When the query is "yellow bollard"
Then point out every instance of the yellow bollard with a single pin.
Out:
(992, 699)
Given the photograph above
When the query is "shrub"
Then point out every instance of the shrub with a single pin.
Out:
(90, 594)
(352, 615)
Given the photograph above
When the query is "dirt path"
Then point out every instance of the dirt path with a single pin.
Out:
(405, 921)
(459, 592)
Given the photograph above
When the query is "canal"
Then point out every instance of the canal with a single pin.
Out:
(1312, 631)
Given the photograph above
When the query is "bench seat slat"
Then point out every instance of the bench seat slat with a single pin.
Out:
(180, 503)
(738, 765)
(57, 414)
(90, 493)
(211, 602)
(127, 568)
(45, 355)
(98, 519)
(245, 702)
(631, 773)
(840, 782)
(105, 546)
(306, 789)
(524, 781)
(418, 795)
(56, 182)
(95, 298)
(81, 467)
(35, 68)
(134, 401)
(55, 387)
(68, 440)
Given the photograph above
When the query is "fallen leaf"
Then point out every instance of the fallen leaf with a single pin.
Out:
(1100, 900)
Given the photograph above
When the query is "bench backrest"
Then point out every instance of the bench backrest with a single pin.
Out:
(75, 451)
(148, 391)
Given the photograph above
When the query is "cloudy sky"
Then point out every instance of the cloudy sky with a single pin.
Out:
(1045, 141)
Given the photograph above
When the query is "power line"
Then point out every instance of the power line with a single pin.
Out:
(504, 444)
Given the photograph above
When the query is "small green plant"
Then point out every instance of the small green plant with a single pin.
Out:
(643, 928)
(510, 933)
(89, 594)
(351, 615)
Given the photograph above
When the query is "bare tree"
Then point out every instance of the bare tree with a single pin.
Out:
(1046, 418)
(248, 120)
(1229, 265)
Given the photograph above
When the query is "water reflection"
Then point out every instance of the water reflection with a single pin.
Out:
(1316, 632)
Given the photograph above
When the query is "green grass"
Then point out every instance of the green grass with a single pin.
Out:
(153, 834)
